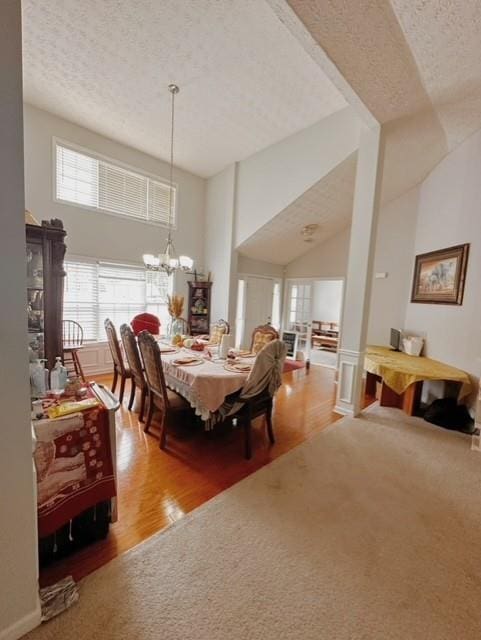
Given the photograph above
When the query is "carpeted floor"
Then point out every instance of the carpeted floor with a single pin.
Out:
(370, 530)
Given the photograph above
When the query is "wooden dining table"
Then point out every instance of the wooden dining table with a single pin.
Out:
(205, 384)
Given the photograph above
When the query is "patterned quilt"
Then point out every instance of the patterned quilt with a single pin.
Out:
(74, 466)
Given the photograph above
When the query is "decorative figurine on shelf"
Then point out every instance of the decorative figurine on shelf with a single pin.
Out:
(175, 306)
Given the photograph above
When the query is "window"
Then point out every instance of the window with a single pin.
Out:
(87, 180)
(98, 290)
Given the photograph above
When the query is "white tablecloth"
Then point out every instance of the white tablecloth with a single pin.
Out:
(205, 385)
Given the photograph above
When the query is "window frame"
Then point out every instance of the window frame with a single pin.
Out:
(98, 262)
(117, 163)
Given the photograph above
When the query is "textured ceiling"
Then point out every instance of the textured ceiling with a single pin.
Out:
(445, 40)
(327, 203)
(415, 64)
(245, 80)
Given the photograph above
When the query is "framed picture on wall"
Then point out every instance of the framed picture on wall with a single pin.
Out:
(439, 276)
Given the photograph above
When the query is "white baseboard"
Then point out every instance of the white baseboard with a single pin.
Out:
(343, 411)
(22, 626)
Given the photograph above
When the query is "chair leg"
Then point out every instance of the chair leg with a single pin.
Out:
(150, 413)
(114, 382)
(163, 431)
(270, 430)
(78, 366)
(247, 438)
(122, 388)
(143, 396)
(132, 394)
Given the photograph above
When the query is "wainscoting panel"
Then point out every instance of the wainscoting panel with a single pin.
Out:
(95, 359)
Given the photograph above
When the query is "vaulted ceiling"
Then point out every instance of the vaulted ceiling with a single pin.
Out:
(328, 203)
(414, 64)
(253, 72)
(245, 81)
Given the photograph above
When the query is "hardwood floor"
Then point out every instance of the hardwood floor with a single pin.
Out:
(156, 488)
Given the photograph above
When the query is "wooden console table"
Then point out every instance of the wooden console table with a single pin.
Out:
(402, 377)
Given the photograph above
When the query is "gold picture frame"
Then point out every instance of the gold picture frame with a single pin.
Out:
(439, 276)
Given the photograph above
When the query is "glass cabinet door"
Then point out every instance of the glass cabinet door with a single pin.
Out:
(35, 301)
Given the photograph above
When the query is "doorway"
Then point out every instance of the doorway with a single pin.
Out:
(258, 302)
(313, 310)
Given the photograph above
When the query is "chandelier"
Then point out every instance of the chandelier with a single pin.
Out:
(168, 261)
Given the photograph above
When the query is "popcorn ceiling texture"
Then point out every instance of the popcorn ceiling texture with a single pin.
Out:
(328, 203)
(245, 81)
(415, 65)
(249, 78)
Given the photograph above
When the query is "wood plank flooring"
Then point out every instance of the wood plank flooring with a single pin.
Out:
(156, 488)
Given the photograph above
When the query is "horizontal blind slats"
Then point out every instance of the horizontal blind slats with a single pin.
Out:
(91, 181)
(98, 290)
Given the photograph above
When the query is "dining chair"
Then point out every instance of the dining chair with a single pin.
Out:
(159, 396)
(256, 397)
(146, 321)
(119, 365)
(219, 329)
(262, 335)
(132, 354)
(72, 341)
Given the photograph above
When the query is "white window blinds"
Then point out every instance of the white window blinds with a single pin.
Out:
(121, 293)
(81, 296)
(98, 290)
(88, 180)
(77, 177)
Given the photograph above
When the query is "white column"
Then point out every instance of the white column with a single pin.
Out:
(359, 272)
(19, 604)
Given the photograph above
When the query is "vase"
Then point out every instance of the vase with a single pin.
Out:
(176, 327)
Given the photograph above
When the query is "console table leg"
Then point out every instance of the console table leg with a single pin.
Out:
(411, 398)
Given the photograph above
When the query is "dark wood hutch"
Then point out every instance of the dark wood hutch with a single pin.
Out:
(45, 282)
(199, 307)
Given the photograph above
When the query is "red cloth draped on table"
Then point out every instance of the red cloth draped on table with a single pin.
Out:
(74, 466)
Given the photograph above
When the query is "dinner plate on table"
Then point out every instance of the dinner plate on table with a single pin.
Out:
(187, 361)
(238, 367)
(168, 348)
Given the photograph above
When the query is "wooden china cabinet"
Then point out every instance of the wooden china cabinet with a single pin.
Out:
(45, 280)
(199, 307)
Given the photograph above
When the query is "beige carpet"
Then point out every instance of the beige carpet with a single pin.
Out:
(370, 530)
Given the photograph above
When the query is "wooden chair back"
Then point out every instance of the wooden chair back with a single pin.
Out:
(261, 336)
(72, 334)
(219, 329)
(154, 374)
(132, 354)
(114, 345)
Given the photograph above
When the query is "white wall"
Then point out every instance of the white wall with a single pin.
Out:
(100, 235)
(449, 214)
(19, 610)
(394, 255)
(259, 267)
(219, 222)
(273, 178)
(327, 300)
(327, 260)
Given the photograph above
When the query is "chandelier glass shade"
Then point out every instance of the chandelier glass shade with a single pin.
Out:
(168, 260)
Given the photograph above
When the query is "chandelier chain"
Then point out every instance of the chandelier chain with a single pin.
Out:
(171, 177)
